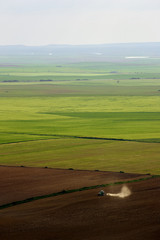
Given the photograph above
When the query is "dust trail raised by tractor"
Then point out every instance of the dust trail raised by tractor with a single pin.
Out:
(125, 192)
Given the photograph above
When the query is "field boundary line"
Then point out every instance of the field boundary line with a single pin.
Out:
(58, 136)
(63, 192)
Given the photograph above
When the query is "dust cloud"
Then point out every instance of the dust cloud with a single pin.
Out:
(125, 192)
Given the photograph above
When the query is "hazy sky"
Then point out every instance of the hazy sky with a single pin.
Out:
(41, 22)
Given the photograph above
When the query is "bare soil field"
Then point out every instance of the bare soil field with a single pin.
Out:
(19, 183)
(81, 215)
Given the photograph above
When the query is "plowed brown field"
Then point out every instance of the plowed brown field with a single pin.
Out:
(19, 183)
(80, 215)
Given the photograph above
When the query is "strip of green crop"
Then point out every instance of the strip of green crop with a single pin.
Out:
(72, 191)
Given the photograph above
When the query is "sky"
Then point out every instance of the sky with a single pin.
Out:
(44, 22)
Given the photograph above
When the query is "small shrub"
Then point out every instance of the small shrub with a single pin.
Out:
(63, 191)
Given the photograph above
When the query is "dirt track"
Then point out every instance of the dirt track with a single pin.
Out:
(85, 216)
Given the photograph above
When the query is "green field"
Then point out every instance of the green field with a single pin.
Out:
(102, 116)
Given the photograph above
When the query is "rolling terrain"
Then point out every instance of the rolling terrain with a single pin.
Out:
(80, 120)
(75, 120)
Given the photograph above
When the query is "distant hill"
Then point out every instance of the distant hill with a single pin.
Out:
(99, 52)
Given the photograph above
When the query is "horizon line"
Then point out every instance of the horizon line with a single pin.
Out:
(68, 44)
